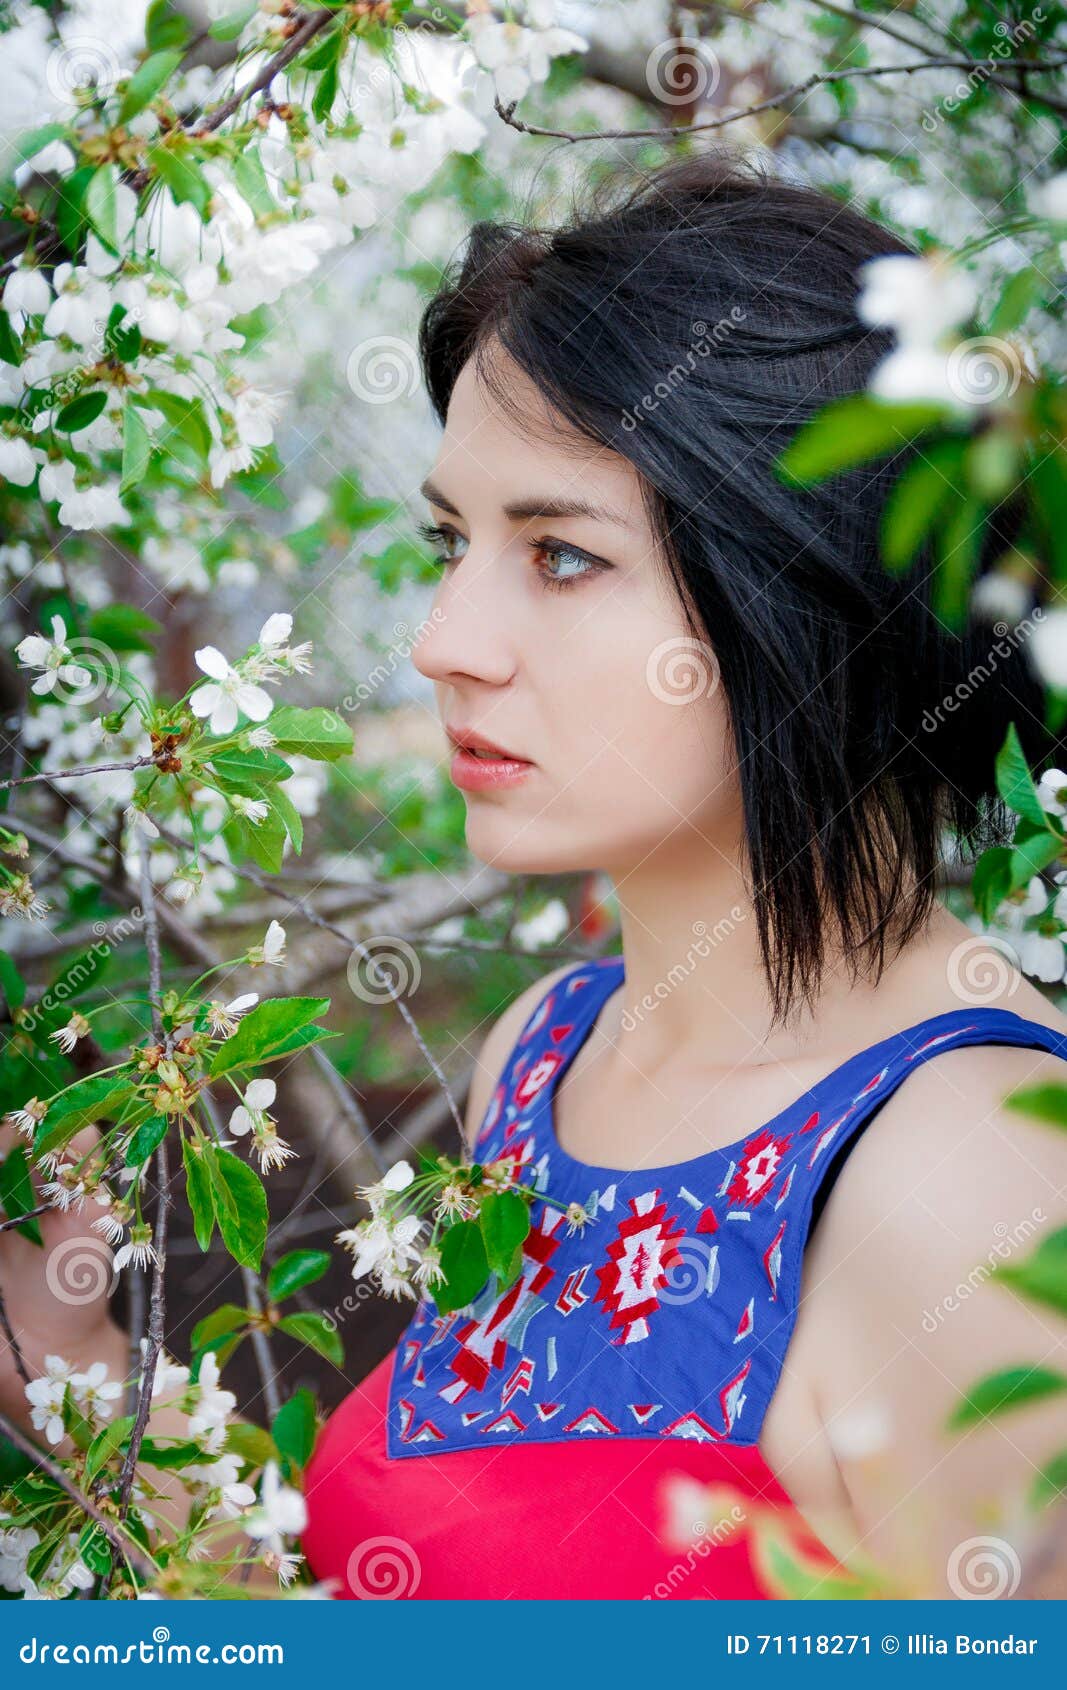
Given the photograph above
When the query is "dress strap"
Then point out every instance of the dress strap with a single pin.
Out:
(568, 1007)
(867, 1082)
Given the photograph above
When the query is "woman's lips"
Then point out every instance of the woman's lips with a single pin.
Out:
(483, 774)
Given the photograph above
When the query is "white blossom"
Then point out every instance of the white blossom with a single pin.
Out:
(226, 694)
(52, 656)
(282, 1512)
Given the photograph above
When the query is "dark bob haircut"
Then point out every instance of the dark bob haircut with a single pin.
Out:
(832, 668)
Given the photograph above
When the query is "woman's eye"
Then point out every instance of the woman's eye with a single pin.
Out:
(443, 538)
(562, 564)
(565, 564)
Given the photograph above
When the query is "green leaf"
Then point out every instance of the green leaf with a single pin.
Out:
(915, 500)
(326, 93)
(94, 1548)
(227, 1318)
(311, 733)
(10, 345)
(164, 27)
(184, 417)
(1009, 1388)
(198, 1191)
(291, 1272)
(293, 1427)
(1018, 295)
(1045, 1102)
(147, 80)
(148, 1137)
(505, 1221)
(263, 841)
(250, 1442)
(101, 206)
(16, 1191)
(12, 984)
(136, 447)
(991, 880)
(300, 1039)
(250, 771)
(957, 545)
(104, 1445)
(70, 209)
(464, 1264)
(13, 1464)
(993, 464)
(1032, 855)
(851, 431)
(29, 144)
(81, 412)
(287, 813)
(316, 1331)
(251, 181)
(1015, 782)
(1042, 1277)
(158, 1454)
(264, 1031)
(100, 1097)
(182, 175)
(228, 28)
(122, 627)
(1050, 1483)
(240, 1207)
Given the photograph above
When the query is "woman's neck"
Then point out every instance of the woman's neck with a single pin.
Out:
(695, 979)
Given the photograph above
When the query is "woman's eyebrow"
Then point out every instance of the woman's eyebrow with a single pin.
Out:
(525, 509)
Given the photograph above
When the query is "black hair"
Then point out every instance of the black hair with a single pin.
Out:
(831, 666)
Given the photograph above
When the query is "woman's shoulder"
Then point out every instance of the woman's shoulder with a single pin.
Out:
(953, 1163)
(498, 1043)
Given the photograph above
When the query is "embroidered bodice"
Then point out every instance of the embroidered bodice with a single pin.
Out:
(669, 1315)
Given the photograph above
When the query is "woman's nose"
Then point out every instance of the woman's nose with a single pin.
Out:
(468, 630)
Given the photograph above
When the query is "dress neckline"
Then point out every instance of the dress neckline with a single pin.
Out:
(905, 1041)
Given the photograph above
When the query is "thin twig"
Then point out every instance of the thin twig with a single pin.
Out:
(20, 1364)
(67, 774)
(818, 79)
(156, 1311)
(307, 29)
(19, 1220)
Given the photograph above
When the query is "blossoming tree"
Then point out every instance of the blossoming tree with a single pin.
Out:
(173, 178)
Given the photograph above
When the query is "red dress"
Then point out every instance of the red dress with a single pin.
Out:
(592, 1432)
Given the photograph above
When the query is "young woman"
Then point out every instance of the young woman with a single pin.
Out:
(654, 658)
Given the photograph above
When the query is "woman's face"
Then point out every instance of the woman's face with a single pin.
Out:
(557, 635)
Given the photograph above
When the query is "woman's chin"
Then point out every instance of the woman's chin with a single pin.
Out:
(500, 843)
